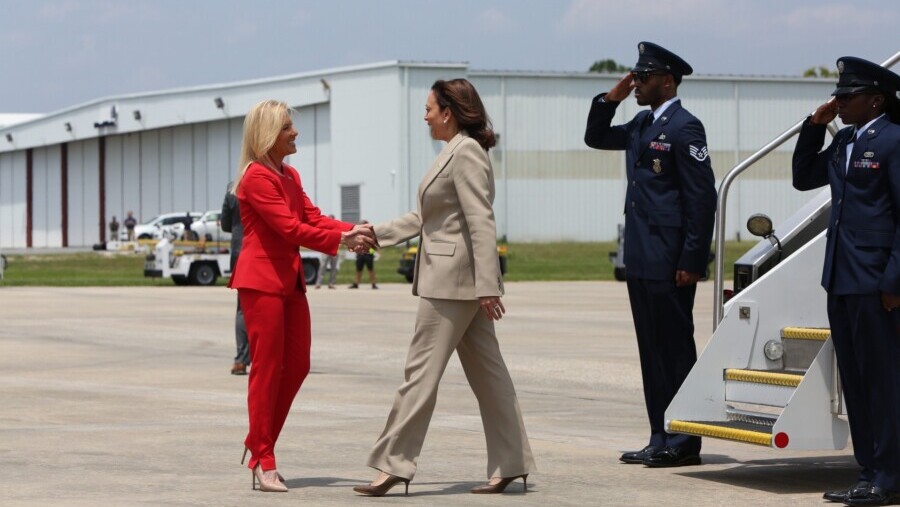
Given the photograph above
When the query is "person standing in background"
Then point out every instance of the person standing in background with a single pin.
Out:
(129, 223)
(114, 229)
(230, 218)
(328, 266)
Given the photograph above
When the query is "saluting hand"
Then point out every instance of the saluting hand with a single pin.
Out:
(825, 114)
(622, 89)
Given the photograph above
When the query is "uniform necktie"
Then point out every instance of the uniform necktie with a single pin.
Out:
(648, 120)
(848, 149)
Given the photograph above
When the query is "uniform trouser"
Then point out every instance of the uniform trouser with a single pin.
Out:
(279, 333)
(664, 324)
(867, 345)
(329, 265)
(441, 326)
(240, 337)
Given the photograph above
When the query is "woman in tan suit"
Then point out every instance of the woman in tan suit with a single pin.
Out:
(457, 276)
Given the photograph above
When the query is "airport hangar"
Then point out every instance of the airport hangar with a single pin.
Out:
(364, 147)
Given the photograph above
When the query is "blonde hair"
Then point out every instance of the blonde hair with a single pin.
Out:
(262, 125)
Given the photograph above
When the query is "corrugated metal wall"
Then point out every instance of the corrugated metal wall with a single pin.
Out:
(12, 200)
(370, 132)
(551, 187)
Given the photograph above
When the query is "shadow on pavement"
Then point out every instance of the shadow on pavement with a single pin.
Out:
(785, 476)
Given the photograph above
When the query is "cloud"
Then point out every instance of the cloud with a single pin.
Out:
(58, 10)
(839, 17)
(493, 20)
(690, 15)
(301, 17)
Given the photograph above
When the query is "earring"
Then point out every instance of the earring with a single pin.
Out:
(445, 120)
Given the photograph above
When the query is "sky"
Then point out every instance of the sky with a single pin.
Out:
(56, 54)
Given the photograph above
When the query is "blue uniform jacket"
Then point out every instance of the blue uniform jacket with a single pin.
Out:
(670, 203)
(862, 254)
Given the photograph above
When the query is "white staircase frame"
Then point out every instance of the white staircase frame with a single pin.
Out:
(789, 295)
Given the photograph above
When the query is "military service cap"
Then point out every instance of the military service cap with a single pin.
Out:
(655, 58)
(856, 75)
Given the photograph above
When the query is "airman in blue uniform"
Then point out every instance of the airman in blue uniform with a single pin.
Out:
(670, 206)
(862, 263)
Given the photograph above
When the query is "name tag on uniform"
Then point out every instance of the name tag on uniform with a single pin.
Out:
(865, 164)
(654, 145)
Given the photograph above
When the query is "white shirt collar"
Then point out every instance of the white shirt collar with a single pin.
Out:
(662, 109)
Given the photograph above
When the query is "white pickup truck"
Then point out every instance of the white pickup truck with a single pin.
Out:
(187, 263)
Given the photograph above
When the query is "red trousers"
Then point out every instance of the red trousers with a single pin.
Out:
(278, 330)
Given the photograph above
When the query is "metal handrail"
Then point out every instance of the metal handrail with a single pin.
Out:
(718, 304)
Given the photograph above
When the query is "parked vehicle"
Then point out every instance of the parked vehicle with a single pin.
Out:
(150, 229)
(188, 264)
(209, 227)
(408, 261)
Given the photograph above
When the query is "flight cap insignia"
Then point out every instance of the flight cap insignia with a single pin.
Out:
(641, 48)
(840, 66)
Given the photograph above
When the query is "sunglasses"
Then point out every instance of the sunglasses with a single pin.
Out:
(643, 76)
(853, 95)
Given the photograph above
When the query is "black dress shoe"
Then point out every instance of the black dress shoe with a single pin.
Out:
(861, 488)
(672, 457)
(638, 457)
(875, 496)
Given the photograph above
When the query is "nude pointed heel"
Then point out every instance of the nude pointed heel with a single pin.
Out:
(501, 486)
(244, 457)
(266, 484)
(384, 487)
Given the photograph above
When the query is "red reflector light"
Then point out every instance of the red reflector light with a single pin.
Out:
(781, 440)
(727, 294)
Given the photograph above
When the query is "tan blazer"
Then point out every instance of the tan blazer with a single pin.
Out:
(457, 256)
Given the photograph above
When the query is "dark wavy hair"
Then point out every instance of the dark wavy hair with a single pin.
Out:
(465, 104)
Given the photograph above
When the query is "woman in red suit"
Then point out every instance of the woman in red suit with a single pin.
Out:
(278, 219)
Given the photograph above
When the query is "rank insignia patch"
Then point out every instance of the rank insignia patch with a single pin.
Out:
(700, 154)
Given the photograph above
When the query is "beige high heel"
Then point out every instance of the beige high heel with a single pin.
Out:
(384, 487)
(500, 486)
(244, 457)
(267, 482)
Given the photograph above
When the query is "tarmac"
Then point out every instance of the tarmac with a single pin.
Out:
(122, 396)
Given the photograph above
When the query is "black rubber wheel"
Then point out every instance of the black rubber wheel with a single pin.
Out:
(203, 274)
(180, 280)
(310, 271)
(619, 273)
(409, 277)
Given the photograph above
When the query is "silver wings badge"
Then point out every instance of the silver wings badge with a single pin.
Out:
(700, 154)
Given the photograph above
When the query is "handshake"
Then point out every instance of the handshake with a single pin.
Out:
(360, 238)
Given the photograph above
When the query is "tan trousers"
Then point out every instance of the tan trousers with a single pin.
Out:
(442, 326)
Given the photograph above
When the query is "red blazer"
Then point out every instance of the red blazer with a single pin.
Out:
(278, 219)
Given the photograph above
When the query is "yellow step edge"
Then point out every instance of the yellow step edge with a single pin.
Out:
(711, 430)
(806, 333)
(763, 377)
